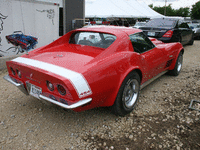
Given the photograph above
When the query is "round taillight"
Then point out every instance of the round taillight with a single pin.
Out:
(12, 70)
(19, 74)
(61, 90)
(50, 86)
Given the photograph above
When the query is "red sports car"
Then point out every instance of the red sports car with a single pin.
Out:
(95, 67)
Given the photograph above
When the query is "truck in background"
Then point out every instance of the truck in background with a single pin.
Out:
(27, 24)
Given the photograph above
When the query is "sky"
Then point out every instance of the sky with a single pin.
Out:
(176, 4)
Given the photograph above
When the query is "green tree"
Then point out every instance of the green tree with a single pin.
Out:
(195, 12)
(151, 6)
(182, 12)
(161, 10)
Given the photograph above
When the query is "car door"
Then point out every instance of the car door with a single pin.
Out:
(186, 33)
(152, 58)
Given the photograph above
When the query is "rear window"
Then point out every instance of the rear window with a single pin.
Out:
(160, 22)
(101, 40)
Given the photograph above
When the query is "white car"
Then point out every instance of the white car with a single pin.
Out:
(196, 29)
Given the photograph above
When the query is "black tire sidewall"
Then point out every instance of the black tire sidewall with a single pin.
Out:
(175, 71)
(191, 41)
(118, 107)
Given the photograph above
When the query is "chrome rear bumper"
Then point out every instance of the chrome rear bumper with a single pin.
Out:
(23, 89)
(18, 85)
(75, 105)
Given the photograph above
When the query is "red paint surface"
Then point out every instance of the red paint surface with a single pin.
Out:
(104, 69)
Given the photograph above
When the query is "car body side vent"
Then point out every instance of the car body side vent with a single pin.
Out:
(169, 62)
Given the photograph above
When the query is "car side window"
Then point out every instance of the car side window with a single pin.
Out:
(183, 25)
(141, 43)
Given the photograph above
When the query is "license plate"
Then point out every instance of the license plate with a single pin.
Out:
(35, 91)
(151, 34)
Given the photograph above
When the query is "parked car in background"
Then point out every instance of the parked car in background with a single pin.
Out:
(196, 28)
(169, 30)
(78, 73)
(139, 24)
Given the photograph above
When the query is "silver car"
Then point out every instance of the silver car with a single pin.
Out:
(139, 24)
(196, 28)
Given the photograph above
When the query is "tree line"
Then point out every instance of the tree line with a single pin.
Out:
(194, 13)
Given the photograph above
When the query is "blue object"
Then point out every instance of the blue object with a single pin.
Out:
(26, 42)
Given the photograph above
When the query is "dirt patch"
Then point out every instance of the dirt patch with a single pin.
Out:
(161, 119)
(173, 125)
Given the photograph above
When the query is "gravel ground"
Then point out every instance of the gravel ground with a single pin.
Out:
(161, 119)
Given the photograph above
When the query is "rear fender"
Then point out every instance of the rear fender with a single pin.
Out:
(110, 100)
(180, 50)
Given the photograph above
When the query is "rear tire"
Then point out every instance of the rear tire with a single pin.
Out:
(178, 66)
(127, 95)
(180, 39)
(191, 41)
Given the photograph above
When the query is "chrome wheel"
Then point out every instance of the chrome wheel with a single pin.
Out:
(127, 95)
(130, 93)
(178, 65)
(180, 61)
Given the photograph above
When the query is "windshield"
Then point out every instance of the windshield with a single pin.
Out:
(161, 22)
(101, 40)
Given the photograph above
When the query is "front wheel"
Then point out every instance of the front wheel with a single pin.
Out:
(178, 66)
(191, 42)
(128, 95)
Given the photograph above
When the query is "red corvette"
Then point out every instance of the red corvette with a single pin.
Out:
(95, 67)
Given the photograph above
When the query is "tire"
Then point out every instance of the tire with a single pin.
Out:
(127, 95)
(180, 39)
(178, 66)
(191, 41)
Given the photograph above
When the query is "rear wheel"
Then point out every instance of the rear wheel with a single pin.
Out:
(180, 39)
(191, 41)
(128, 95)
(178, 65)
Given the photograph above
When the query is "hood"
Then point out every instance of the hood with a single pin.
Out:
(73, 57)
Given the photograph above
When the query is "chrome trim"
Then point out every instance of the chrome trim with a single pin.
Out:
(153, 79)
(75, 105)
(18, 85)
(22, 88)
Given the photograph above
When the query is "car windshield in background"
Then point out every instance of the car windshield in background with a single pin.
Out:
(95, 39)
(160, 22)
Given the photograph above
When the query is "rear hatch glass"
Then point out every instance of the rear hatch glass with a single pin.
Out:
(95, 39)
(161, 23)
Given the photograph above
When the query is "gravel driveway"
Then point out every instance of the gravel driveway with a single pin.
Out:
(161, 119)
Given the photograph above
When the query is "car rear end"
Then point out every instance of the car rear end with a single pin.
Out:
(162, 29)
(44, 84)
